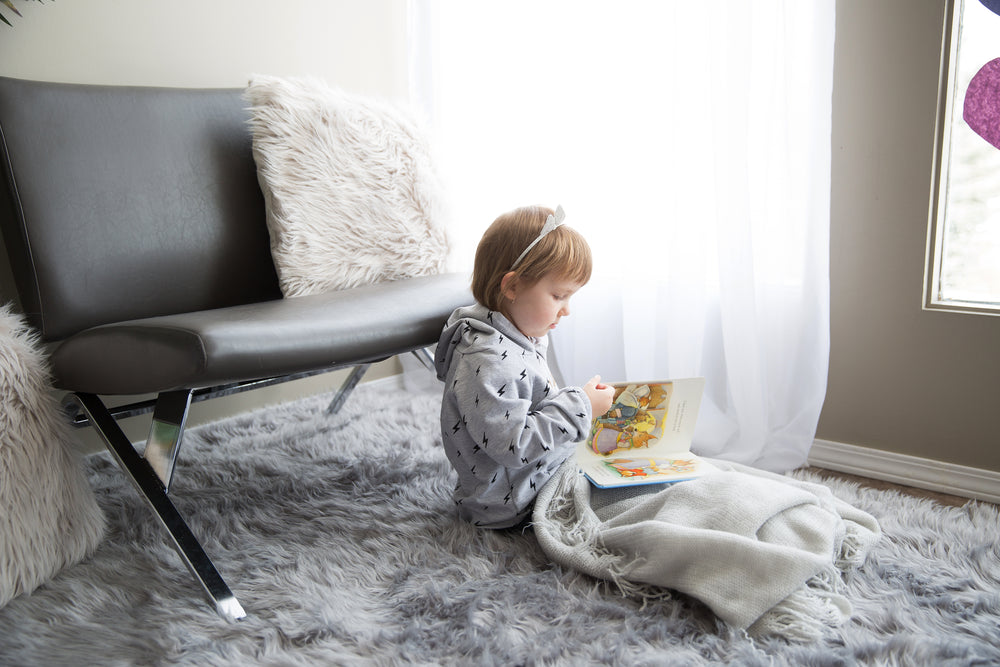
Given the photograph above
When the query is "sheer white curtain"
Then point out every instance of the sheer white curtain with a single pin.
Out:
(690, 142)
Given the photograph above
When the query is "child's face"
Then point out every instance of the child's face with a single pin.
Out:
(535, 310)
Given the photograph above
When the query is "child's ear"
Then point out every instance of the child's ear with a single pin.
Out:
(508, 285)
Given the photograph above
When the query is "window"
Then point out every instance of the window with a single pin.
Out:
(963, 257)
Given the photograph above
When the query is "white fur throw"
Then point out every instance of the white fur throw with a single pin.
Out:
(351, 194)
(49, 518)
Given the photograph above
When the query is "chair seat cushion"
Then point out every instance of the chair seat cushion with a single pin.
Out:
(261, 340)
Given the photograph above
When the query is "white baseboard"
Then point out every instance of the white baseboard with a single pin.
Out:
(907, 470)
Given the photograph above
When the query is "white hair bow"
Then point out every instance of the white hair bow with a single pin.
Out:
(551, 223)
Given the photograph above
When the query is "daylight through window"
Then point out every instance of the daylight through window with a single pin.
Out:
(963, 271)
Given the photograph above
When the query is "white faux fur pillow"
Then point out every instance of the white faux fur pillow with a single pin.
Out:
(49, 517)
(351, 194)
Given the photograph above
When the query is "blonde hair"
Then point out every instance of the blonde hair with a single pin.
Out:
(563, 253)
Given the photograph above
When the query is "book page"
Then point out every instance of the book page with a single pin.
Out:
(646, 435)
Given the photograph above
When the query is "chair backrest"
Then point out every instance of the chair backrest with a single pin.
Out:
(118, 203)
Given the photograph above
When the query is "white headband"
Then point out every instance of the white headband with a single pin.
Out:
(551, 223)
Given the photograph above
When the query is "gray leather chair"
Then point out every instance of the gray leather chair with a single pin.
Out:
(135, 229)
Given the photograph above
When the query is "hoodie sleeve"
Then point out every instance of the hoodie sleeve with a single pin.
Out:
(509, 409)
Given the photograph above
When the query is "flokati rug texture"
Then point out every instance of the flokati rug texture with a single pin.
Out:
(351, 192)
(49, 518)
(339, 537)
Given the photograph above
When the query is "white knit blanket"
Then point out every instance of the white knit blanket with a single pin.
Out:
(765, 552)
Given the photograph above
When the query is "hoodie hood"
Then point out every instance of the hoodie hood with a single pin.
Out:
(462, 332)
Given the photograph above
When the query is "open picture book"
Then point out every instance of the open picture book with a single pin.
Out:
(645, 438)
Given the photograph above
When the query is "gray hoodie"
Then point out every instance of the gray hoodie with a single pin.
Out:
(505, 425)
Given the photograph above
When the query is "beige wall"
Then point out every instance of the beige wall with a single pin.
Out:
(357, 44)
(902, 379)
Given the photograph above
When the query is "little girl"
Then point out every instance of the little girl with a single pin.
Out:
(506, 426)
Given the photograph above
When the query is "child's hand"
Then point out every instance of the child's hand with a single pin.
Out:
(600, 395)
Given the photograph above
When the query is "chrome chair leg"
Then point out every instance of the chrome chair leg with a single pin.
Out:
(165, 433)
(150, 486)
(425, 358)
(358, 372)
(346, 388)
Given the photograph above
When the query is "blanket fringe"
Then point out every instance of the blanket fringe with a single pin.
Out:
(858, 543)
(579, 537)
(807, 613)
(576, 536)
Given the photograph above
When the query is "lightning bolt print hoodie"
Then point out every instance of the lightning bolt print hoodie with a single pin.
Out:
(505, 425)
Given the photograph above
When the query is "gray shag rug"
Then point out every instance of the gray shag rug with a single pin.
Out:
(339, 537)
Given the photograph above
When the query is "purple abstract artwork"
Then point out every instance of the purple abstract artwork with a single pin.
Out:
(982, 103)
(992, 5)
